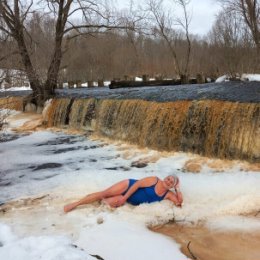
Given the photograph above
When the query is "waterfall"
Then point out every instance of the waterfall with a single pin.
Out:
(211, 128)
(14, 103)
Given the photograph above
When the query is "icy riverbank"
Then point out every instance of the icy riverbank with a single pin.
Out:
(42, 171)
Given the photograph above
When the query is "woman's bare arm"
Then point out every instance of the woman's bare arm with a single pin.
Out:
(175, 198)
(178, 194)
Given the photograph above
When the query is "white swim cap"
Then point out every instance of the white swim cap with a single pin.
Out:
(176, 179)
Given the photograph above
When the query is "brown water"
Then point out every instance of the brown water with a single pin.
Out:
(15, 103)
(212, 128)
(204, 244)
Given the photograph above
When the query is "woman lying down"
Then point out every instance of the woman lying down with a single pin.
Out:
(135, 192)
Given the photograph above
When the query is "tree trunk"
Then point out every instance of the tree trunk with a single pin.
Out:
(53, 72)
(37, 96)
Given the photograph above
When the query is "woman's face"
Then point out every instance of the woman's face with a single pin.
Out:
(169, 181)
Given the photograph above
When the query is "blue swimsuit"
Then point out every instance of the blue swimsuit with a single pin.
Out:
(143, 195)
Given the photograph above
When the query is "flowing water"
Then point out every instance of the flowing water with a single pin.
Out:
(215, 120)
(208, 127)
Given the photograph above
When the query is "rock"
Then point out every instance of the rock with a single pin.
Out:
(100, 220)
(45, 166)
(138, 164)
(192, 167)
(5, 183)
(98, 257)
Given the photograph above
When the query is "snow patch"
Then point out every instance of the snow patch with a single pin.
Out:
(250, 77)
(38, 247)
(222, 79)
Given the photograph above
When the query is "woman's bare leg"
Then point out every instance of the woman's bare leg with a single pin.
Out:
(114, 190)
(112, 201)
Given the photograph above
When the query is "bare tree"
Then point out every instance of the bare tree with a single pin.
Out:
(230, 37)
(250, 11)
(184, 23)
(166, 28)
(96, 18)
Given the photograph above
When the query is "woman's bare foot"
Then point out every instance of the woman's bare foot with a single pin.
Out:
(69, 207)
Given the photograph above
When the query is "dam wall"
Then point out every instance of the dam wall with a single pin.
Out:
(14, 103)
(214, 120)
(211, 128)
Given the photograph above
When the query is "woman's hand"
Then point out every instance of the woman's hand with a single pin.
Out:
(175, 197)
(178, 204)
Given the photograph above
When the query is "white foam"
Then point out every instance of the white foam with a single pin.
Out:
(235, 223)
(38, 247)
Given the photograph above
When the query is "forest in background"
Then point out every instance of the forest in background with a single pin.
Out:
(153, 43)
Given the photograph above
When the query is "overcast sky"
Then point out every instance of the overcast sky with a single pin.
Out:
(203, 13)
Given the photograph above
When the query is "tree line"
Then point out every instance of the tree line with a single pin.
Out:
(56, 41)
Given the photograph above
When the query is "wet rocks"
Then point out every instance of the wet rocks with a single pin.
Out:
(65, 150)
(9, 137)
(45, 166)
(5, 183)
(60, 140)
(117, 168)
(42, 178)
(139, 164)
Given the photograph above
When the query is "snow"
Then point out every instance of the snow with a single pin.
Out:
(244, 77)
(38, 247)
(15, 89)
(15, 78)
(95, 84)
(138, 79)
(250, 77)
(85, 165)
(222, 79)
(130, 241)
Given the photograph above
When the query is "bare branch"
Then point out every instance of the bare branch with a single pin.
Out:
(5, 30)
(192, 255)
(27, 11)
(98, 27)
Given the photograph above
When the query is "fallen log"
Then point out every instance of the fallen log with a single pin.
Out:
(151, 83)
